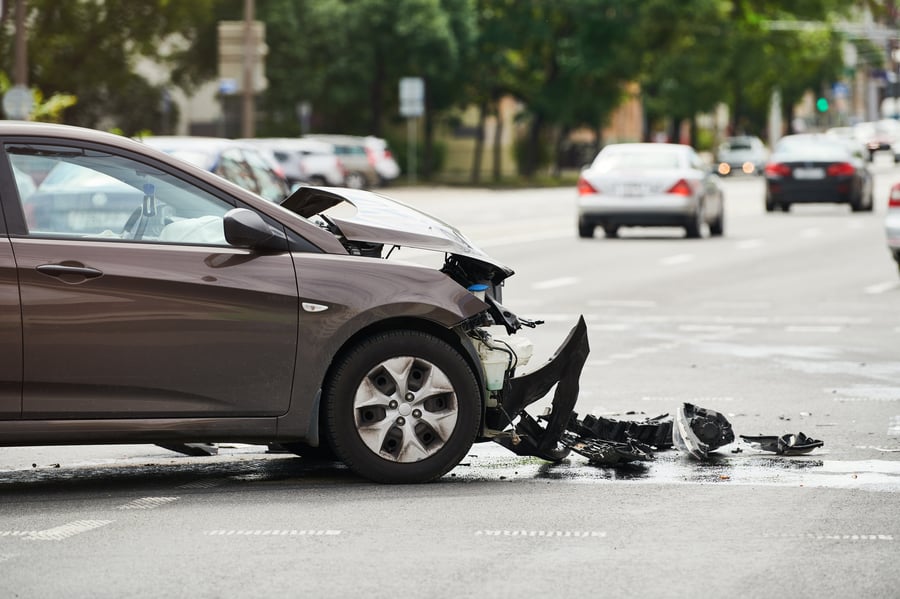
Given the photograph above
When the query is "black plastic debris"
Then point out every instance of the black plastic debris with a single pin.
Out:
(699, 431)
(607, 453)
(789, 444)
(656, 431)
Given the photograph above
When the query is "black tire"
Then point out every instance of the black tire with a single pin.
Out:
(693, 228)
(355, 180)
(611, 231)
(318, 181)
(785, 206)
(585, 229)
(770, 204)
(717, 227)
(402, 407)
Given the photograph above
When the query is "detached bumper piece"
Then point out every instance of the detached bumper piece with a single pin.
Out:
(529, 437)
(789, 444)
(602, 452)
(699, 431)
(656, 431)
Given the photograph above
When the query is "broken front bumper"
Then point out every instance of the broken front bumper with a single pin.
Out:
(543, 438)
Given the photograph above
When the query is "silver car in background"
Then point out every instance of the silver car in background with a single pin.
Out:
(892, 223)
(305, 160)
(649, 185)
(742, 154)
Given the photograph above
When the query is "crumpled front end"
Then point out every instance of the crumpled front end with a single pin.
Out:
(519, 431)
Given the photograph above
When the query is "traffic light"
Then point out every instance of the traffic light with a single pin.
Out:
(822, 104)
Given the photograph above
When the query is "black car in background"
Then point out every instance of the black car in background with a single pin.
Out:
(813, 168)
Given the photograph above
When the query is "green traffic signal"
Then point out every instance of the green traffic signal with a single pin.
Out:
(822, 104)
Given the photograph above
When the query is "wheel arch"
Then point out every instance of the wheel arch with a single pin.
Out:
(454, 337)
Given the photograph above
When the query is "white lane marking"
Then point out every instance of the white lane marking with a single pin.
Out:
(624, 303)
(813, 329)
(749, 244)
(554, 283)
(147, 503)
(811, 232)
(583, 534)
(881, 287)
(677, 259)
(65, 531)
(272, 533)
(828, 537)
(705, 328)
(737, 305)
(894, 427)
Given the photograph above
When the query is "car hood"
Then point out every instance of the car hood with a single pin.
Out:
(379, 219)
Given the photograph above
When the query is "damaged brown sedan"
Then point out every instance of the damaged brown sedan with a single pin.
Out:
(143, 300)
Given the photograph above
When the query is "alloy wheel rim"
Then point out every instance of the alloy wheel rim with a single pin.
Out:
(405, 409)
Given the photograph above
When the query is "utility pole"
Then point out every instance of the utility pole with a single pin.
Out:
(248, 103)
(20, 74)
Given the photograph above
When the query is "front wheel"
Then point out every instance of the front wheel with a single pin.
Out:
(402, 407)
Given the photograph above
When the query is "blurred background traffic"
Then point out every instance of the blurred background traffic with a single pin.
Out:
(454, 90)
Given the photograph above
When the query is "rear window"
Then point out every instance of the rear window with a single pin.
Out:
(637, 158)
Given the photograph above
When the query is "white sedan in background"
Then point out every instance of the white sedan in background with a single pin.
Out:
(649, 185)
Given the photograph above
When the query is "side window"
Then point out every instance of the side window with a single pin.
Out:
(233, 167)
(270, 185)
(85, 194)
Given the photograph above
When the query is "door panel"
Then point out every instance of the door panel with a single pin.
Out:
(10, 335)
(163, 331)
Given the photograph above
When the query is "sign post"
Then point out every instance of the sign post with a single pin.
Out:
(412, 106)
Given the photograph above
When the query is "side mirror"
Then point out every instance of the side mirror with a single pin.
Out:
(246, 229)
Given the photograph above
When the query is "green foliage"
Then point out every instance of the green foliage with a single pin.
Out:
(400, 150)
(88, 49)
(567, 61)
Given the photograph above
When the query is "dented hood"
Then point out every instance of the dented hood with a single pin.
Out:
(379, 219)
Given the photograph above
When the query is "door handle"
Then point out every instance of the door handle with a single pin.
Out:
(63, 270)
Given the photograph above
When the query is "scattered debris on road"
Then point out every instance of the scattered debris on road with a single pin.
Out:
(789, 444)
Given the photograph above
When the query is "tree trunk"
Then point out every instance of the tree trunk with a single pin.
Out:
(428, 149)
(376, 95)
(478, 153)
(498, 139)
(532, 149)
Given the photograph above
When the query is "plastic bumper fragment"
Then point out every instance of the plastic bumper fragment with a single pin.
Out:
(563, 370)
(699, 431)
(607, 453)
(656, 431)
(789, 444)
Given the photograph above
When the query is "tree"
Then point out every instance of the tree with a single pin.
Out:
(88, 49)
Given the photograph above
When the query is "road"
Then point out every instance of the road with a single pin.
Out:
(788, 323)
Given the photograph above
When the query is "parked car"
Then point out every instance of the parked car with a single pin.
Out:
(741, 154)
(382, 159)
(816, 167)
(892, 223)
(648, 185)
(238, 162)
(880, 136)
(359, 166)
(182, 308)
(305, 161)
